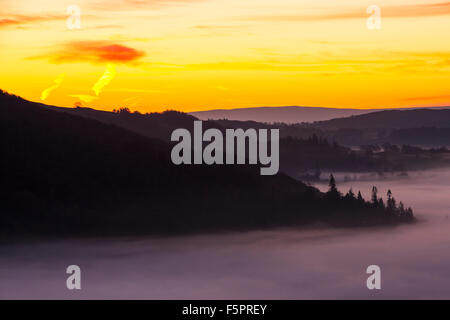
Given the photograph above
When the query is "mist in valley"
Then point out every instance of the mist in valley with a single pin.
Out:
(310, 263)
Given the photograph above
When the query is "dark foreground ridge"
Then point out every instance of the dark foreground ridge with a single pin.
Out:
(63, 174)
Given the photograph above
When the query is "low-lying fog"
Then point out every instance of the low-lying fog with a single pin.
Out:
(280, 264)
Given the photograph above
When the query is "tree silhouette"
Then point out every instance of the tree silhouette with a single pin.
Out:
(381, 204)
(391, 203)
(360, 198)
(333, 193)
(409, 213)
(374, 195)
(332, 184)
(351, 194)
(401, 207)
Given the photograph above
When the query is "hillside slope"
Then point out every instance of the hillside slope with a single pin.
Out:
(64, 174)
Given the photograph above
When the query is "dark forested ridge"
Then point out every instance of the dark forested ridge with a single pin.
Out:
(303, 148)
(392, 119)
(419, 127)
(66, 174)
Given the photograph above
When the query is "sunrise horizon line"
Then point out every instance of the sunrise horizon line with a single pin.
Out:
(169, 108)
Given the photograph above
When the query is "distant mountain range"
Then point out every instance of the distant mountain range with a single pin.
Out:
(391, 119)
(290, 115)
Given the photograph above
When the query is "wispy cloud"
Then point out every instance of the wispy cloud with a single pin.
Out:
(84, 97)
(130, 5)
(402, 11)
(213, 27)
(437, 97)
(105, 79)
(96, 52)
(406, 62)
(23, 21)
(57, 81)
(18, 20)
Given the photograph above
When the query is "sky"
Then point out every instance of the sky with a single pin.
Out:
(192, 55)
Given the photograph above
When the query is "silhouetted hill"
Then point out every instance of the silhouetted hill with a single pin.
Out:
(421, 136)
(65, 174)
(154, 125)
(373, 128)
(429, 128)
(391, 119)
(291, 114)
(300, 153)
(306, 150)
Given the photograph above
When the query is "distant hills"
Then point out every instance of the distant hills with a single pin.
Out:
(421, 127)
(299, 150)
(291, 114)
(301, 153)
(391, 119)
(428, 127)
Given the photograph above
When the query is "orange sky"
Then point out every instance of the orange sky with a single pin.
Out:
(151, 55)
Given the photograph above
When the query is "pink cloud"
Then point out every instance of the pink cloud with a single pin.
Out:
(96, 52)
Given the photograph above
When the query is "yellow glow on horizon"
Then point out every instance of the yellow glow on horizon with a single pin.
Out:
(195, 55)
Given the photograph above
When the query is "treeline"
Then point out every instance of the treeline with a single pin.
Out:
(422, 134)
(405, 149)
(306, 158)
(302, 156)
(303, 148)
(357, 203)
